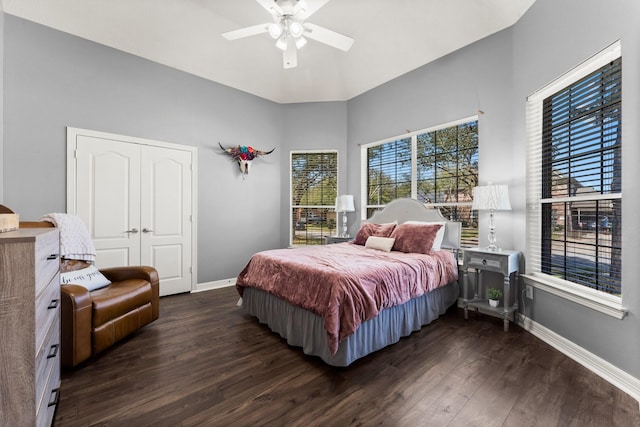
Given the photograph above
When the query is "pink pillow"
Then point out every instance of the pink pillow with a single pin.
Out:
(415, 238)
(381, 230)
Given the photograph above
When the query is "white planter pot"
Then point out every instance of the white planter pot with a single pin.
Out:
(494, 302)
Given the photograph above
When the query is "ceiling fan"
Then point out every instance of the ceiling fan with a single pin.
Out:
(290, 30)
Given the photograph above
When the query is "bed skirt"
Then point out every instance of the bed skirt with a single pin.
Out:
(302, 328)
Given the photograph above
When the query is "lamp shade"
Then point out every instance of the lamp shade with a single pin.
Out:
(489, 197)
(344, 203)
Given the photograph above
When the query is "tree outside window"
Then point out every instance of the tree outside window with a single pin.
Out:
(438, 167)
(314, 187)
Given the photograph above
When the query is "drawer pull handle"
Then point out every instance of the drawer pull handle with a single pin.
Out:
(56, 397)
(484, 262)
(52, 256)
(53, 351)
(54, 304)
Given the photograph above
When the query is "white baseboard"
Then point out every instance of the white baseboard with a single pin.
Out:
(616, 376)
(207, 286)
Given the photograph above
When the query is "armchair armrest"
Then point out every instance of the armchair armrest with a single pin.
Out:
(76, 318)
(118, 274)
(150, 274)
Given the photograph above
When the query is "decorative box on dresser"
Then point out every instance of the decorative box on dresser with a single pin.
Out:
(30, 326)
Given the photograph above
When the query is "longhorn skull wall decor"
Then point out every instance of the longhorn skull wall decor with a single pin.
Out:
(244, 155)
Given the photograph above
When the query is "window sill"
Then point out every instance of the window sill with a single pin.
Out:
(599, 301)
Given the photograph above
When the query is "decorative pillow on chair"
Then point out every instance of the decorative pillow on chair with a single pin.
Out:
(381, 230)
(89, 277)
(415, 238)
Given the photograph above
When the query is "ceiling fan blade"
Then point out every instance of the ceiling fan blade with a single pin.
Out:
(290, 56)
(272, 7)
(305, 8)
(246, 32)
(328, 37)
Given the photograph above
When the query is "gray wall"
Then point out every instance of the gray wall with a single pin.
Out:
(496, 75)
(53, 80)
(546, 45)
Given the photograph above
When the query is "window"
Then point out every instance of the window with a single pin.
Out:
(575, 176)
(314, 187)
(438, 167)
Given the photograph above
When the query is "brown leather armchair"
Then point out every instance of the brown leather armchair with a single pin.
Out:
(92, 321)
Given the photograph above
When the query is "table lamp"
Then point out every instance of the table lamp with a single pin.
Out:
(344, 204)
(492, 198)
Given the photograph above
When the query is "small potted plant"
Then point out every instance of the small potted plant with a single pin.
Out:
(494, 296)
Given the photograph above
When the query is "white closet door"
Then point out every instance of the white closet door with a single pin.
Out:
(166, 216)
(108, 198)
(137, 198)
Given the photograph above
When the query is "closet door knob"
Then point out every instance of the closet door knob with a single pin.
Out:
(146, 230)
(132, 231)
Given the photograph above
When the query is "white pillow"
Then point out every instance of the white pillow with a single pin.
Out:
(89, 277)
(380, 243)
(439, 236)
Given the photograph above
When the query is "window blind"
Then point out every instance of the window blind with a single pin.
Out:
(574, 176)
(438, 167)
(314, 187)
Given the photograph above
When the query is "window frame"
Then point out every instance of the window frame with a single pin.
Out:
(598, 300)
(291, 206)
(413, 136)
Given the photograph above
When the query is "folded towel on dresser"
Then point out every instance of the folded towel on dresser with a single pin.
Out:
(75, 241)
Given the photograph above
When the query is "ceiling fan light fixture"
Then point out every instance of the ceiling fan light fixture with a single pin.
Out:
(282, 42)
(295, 29)
(300, 42)
(290, 28)
(275, 30)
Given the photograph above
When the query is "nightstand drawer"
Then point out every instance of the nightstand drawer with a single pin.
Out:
(485, 262)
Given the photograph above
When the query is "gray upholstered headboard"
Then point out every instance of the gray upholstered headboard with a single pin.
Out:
(402, 210)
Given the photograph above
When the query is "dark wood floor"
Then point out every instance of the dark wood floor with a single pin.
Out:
(206, 363)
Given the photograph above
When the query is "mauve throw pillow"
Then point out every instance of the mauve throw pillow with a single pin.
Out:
(381, 230)
(415, 238)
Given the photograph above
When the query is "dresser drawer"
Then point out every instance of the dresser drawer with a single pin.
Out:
(47, 309)
(47, 405)
(47, 259)
(47, 360)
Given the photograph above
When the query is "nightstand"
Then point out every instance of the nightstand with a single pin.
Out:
(337, 239)
(500, 261)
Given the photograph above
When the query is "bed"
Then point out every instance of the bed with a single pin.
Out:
(343, 301)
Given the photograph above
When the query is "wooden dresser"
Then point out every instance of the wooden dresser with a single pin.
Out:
(30, 326)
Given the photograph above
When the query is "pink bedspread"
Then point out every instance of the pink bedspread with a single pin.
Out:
(344, 283)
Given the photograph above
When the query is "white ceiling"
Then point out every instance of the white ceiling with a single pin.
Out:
(392, 37)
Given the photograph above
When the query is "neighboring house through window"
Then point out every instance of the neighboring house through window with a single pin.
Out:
(436, 166)
(574, 218)
(314, 187)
